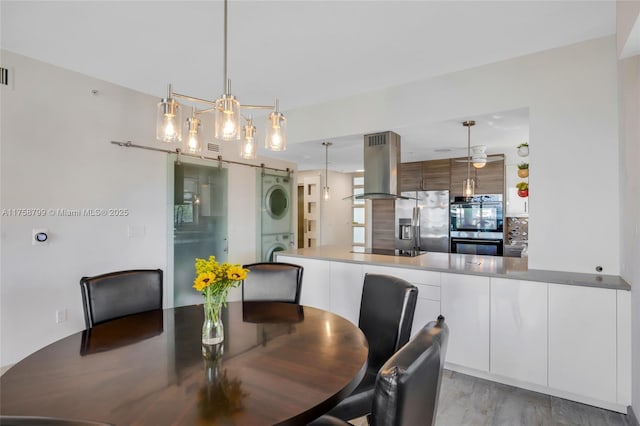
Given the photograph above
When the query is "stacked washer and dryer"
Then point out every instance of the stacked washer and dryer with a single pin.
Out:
(276, 222)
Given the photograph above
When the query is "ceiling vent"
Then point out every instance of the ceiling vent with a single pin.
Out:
(213, 147)
(4, 76)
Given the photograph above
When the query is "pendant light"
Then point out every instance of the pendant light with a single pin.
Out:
(325, 191)
(169, 120)
(468, 186)
(193, 144)
(226, 111)
(248, 144)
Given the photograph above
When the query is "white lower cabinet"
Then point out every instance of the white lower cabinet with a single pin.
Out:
(428, 284)
(465, 306)
(519, 330)
(346, 290)
(573, 341)
(426, 311)
(624, 346)
(316, 284)
(582, 341)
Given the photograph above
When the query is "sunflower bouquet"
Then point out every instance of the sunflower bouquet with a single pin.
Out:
(214, 280)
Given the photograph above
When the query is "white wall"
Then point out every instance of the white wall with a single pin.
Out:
(629, 89)
(55, 154)
(572, 98)
(335, 214)
(627, 16)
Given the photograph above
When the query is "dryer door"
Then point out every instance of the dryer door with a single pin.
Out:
(277, 202)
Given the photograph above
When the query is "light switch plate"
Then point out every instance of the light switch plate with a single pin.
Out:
(136, 231)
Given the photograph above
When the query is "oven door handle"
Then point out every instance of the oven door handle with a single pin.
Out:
(465, 240)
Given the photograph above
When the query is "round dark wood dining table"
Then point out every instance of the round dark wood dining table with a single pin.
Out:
(279, 364)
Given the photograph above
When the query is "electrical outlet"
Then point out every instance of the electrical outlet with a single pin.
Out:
(61, 315)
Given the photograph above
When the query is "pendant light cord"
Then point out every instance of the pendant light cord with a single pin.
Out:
(326, 165)
(468, 152)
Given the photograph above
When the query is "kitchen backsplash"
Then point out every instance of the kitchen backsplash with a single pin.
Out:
(517, 230)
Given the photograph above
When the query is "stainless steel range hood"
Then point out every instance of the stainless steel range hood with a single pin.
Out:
(381, 165)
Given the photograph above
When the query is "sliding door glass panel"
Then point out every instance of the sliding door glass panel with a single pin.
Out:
(199, 224)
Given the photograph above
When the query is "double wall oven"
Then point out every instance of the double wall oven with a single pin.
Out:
(477, 225)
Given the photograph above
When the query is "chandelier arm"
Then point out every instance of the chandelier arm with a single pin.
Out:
(257, 107)
(194, 99)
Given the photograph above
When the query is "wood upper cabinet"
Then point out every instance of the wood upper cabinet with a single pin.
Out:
(436, 175)
(432, 175)
(410, 176)
(489, 179)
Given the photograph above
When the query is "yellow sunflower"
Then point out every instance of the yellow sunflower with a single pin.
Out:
(204, 280)
(236, 273)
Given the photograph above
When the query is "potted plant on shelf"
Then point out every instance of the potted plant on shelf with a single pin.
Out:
(523, 149)
(523, 189)
(523, 170)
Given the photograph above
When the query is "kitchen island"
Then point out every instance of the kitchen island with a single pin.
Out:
(561, 333)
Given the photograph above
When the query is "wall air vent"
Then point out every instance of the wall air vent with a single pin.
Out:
(378, 139)
(213, 147)
(4, 76)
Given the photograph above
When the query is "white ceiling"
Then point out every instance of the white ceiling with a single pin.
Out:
(303, 52)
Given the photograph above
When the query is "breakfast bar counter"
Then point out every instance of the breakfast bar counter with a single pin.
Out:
(561, 333)
(492, 266)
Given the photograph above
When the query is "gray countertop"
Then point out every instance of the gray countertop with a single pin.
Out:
(514, 268)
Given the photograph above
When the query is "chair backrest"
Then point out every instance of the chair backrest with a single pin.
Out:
(408, 384)
(118, 294)
(386, 315)
(45, 421)
(272, 282)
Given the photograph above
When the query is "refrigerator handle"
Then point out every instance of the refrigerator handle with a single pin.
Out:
(416, 227)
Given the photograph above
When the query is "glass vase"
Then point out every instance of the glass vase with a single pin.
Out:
(212, 328)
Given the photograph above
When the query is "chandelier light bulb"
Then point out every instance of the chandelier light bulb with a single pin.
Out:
(193, 139)
(193, 144)
(248, 145)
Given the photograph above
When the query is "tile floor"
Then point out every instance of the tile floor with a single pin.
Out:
(469, 401)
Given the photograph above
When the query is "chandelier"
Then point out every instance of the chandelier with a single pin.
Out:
(227, 118)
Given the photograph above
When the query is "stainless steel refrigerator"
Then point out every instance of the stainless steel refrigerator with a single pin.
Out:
(423, 222)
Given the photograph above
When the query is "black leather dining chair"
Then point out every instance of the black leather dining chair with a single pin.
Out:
(45, 421)
(408, 385)
(386, 315)
(272, 282)
(118, 294)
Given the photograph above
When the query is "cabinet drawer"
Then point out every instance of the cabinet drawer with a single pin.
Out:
(414, 276)
(428, 292)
